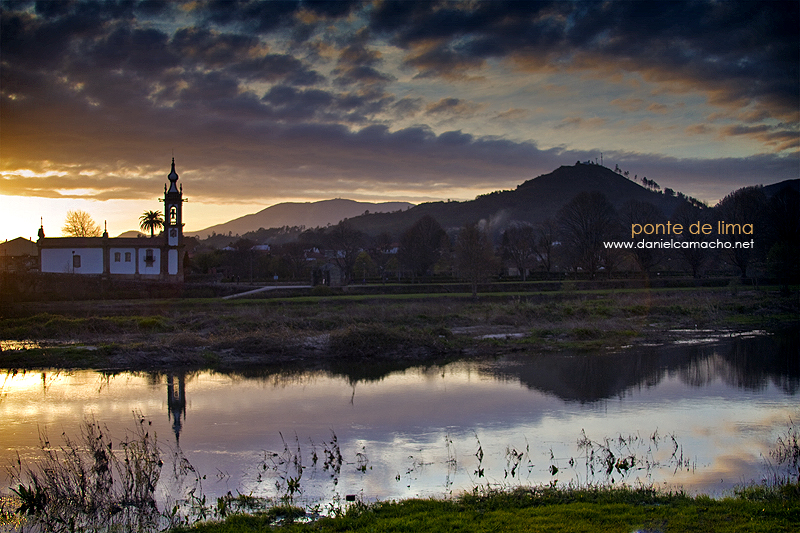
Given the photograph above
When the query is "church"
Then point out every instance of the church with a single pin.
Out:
(159, 258)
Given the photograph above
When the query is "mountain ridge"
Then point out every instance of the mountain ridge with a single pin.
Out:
(308, 214)
(533, 201)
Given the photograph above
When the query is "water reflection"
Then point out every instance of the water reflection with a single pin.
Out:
(414, 431)
(176, 402)
(750, 363)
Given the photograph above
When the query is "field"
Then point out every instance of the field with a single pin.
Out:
(322, 328)
(313, 329)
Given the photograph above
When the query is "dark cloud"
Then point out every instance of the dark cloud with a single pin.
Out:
(253, 108)
(204, 47)
(745, 51)
(358, 65)
(453, 106)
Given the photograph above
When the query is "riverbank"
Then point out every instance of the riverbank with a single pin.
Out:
(547, 509)
(315, 331)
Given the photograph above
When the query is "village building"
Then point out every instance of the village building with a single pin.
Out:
(158, 258)
(18, 255)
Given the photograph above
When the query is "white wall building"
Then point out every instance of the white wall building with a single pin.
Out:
(155, 258)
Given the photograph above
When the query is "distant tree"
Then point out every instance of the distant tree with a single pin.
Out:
(379, 250)
(696, 259)
(346, 243)
(782, 237)
(519, 244)
(544, 247)
(743, 206)
(364, 266)
(151, 221)
(293, 255)
(639, 212)
(585, 223)
(80, 224)
(420, 245)
(208, 261)
(313, 238)
(475, 257)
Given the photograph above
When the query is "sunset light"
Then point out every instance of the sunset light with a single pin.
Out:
(271, 102)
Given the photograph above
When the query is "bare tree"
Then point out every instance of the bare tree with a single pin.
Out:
(475, 255)
(421, 244)
(519, 244)
(743, 206)
(643, 213)
(80, 224)
(544, 244)
(346, 242)
(695, 258)
(293, 256)
(586, 222)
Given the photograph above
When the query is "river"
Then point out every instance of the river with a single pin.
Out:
(699, 417)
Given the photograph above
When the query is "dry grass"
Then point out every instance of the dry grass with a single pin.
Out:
(385, 326)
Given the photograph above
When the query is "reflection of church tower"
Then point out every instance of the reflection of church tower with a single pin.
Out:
(173, 227)
(176, 403)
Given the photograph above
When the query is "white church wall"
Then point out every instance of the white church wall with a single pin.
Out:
(122, 260)
(149, 261)
(72, 260)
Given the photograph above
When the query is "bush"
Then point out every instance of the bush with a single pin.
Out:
(366, 340)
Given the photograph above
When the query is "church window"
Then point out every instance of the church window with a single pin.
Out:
(148, 257)
(173, 215)
(76, 261)
(127, 257)
(117, 257)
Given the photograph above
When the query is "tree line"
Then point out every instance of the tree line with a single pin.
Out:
(572, 241)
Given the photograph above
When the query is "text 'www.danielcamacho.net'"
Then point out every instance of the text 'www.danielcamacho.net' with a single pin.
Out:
(714, 244)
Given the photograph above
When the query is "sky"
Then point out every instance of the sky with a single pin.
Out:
(262, 102)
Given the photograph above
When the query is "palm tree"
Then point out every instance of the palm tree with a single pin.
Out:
(151, 220)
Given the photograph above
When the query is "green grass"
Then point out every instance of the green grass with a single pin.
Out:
(546, 509)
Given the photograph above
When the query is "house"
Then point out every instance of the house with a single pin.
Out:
(157, 258)
(18, 255)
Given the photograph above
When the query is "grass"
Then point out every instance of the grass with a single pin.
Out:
(546, 509)
(129, 333)
(90, 484)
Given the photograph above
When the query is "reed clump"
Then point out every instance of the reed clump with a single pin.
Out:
(88, 485)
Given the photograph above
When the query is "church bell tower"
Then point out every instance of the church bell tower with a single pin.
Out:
(173, 227)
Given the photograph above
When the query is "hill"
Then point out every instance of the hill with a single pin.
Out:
(775, 188)
(308, 214)
(533, 201)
